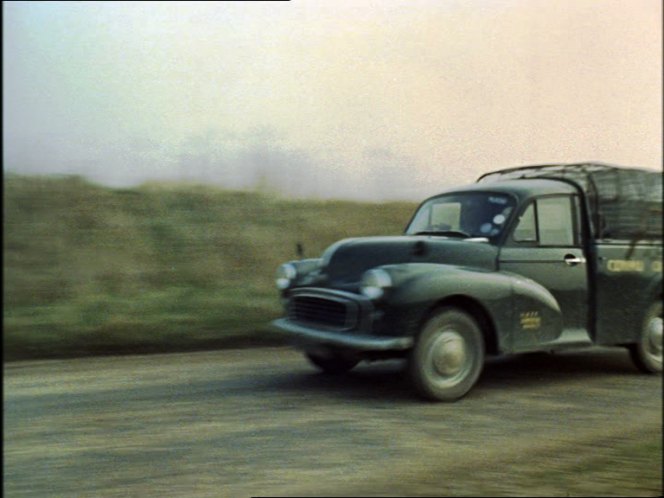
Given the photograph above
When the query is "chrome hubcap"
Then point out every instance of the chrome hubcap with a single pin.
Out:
(448, 354)
(654, 334)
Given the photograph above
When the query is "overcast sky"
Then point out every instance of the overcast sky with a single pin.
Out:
(346, 98)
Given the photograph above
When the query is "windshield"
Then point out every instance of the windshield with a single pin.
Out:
(470, 214)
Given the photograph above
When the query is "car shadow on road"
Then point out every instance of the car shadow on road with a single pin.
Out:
(389, 380)
(385, 380)
(525, 370)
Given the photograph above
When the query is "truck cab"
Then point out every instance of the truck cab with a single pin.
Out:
(536, 258)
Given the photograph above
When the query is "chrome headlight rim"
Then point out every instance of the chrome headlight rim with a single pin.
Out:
(374, 282)
(285, 276)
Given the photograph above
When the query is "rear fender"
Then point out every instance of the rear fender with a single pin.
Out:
(654, 289)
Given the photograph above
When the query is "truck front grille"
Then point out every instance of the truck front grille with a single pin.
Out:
(331, 312)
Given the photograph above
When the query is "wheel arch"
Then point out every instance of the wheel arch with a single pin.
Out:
(474, 308)
(654, 295)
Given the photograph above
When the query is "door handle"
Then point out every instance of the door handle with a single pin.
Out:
(572, 260)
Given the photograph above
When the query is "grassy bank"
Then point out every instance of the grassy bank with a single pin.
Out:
(92, 270)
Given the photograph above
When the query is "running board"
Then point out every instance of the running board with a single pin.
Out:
(570, 338)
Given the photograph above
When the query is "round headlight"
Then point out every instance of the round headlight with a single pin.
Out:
(286, 273)
(374, 283)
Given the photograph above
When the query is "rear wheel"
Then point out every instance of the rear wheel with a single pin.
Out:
(332, 363)
(448, 357)
(647, 352)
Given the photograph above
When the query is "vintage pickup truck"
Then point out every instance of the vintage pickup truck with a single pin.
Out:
(535, 258)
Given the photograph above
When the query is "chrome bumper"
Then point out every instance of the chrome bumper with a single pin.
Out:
(342, 339)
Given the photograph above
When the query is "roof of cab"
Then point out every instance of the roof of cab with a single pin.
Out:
(522, 188)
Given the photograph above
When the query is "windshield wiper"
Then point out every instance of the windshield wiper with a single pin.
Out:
(452, 233)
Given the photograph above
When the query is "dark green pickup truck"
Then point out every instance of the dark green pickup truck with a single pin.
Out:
(536, 258)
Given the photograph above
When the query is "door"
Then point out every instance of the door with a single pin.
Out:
(545, 246)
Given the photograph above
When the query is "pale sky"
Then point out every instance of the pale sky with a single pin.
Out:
(362, 99)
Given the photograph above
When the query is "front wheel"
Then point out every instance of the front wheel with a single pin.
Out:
(647, 352)
(448, 357)
(332, 363)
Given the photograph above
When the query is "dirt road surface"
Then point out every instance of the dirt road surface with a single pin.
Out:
(264, 423)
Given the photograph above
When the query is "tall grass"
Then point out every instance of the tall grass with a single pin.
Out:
(89, 269)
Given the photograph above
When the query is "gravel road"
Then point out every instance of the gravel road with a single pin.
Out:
(262, 422)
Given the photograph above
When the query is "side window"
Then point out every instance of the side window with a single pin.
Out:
(547, 221)
(556, 226)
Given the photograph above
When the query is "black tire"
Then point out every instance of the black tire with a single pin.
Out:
(332, 363)
(448, 356)
(647, 352)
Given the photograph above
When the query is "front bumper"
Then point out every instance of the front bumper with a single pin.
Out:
(359, 342)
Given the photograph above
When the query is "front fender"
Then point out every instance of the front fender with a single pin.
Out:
(522, 312)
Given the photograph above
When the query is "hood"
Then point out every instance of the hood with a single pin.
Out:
(347, 260)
